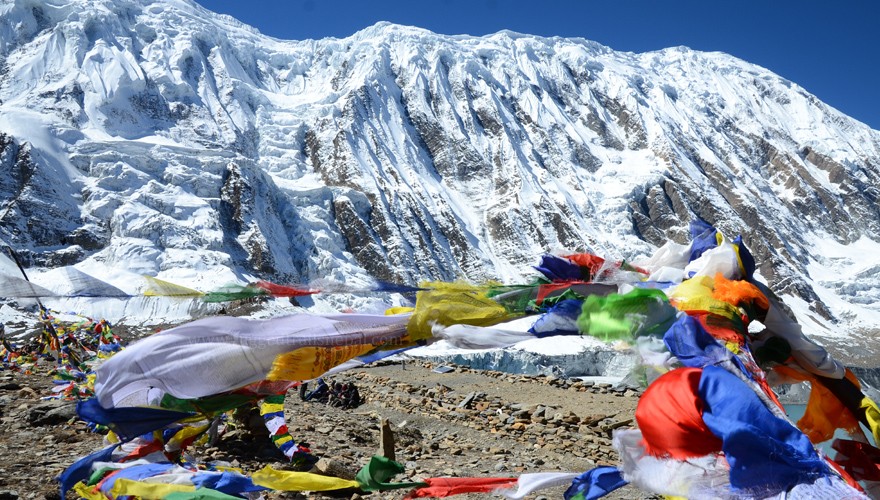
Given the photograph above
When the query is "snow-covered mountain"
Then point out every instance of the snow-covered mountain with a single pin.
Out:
(157, 137)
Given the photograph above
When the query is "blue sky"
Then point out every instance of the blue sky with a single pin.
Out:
(829, 47)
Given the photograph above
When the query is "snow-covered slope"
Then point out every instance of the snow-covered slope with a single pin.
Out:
(157, 137)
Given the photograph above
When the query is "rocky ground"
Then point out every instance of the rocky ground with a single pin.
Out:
(38, 438)
(461, 423)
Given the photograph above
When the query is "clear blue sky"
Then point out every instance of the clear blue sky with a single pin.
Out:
(829, 47)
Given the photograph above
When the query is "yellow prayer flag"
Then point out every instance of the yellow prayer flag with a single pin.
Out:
(299, 481)
(184, 434)
(161, 288)
(872, 414)
(307, 363)
(271, 408)
(391, 311)
(88, 492)
(452, 304)
(696, 295)
(146, 491)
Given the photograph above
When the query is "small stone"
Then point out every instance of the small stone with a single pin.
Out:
(333, 468)
(616, 425)
(592, 420)
(27, 392)
(467, 400)
(51, 412)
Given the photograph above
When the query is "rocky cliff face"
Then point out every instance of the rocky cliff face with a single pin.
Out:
(39, 212)
(159, 136)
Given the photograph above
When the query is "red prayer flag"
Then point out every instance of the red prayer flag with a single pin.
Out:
(860, 460)
(439, 487)
(670, 416)
(283, 291)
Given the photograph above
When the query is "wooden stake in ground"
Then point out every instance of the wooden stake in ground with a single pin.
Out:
(386, 439)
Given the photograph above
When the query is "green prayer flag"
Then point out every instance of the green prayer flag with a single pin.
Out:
(98, 475)
(640, 312)
(232, 292)
(200, 494)
(373, 476)
(209, 405)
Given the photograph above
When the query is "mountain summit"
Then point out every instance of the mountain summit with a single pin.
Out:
(164, 139)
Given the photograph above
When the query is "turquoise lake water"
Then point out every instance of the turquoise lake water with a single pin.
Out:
(795, 412)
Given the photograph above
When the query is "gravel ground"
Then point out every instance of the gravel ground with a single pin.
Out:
(462, 423)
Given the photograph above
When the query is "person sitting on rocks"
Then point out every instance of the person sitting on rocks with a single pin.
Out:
(351, 397)
(345, 396)
(336, 395)
(320, 393)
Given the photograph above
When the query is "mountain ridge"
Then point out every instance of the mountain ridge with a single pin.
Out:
(192, 143)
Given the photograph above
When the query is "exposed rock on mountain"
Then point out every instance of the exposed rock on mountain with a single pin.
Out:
(158, 136)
